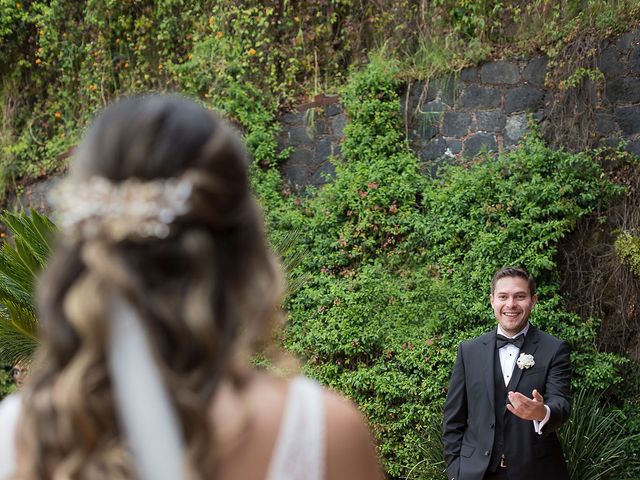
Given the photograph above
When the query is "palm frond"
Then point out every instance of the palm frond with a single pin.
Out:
(36, 230)
(292, 255)
(15, 343)
(10, 289)
(22, 258)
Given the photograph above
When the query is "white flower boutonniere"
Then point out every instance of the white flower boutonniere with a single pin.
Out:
(525, 361)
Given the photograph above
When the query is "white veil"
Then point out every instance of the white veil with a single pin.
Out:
(146, 414)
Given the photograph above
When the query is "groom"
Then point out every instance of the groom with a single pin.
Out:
(509, 392)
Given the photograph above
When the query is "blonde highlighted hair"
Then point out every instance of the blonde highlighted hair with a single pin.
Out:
(206, 293)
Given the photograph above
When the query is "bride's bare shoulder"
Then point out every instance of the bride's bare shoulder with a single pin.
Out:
(350, 451)
(350, 448)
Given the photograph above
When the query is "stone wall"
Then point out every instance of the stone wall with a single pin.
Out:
(618, 111)
(313, 135)
(482, 109)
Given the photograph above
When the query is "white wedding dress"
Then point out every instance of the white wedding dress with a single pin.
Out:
(9, 413)
(299, 453)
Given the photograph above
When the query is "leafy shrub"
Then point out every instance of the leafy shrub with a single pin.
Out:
(396, 266)
(399, 266)
(371, 205)
(6, 382)
(631, 427)
(63, 60)
(628, 249)
(595, 441)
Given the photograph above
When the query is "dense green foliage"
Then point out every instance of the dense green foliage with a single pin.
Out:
(62, 60)
(628, 248)
(596, 441)
(400, 265)
(394, 267)
(6, 383)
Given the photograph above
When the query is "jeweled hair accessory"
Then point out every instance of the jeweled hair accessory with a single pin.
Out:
(132, 208)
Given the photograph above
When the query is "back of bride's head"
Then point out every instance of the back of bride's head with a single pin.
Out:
(156, 209)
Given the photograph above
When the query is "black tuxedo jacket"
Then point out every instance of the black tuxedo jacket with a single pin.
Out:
(470, 418)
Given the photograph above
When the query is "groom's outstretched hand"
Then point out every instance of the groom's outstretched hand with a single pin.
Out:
(527, 408)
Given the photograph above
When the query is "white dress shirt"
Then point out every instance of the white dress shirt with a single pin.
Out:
(508, 357)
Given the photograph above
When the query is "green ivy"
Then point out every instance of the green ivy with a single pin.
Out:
(627, 246)
(398, 265)
(6, 382)
(371, 206)
(63, 60)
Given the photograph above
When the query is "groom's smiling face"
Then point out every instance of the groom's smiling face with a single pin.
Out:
(512, 303)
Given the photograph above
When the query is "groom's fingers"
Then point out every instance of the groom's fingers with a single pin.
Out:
(524, 407)
(516, 408)
(517, 397)
(536, 396)
(517, 404)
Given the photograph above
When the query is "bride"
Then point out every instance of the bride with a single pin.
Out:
(160, 288)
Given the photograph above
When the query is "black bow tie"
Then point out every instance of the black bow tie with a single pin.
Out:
(501, 341)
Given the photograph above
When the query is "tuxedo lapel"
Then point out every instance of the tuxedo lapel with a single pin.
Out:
(488, 359)
(531, 340)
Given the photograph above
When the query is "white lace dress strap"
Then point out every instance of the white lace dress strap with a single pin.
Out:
(299, 453)
(10, 409)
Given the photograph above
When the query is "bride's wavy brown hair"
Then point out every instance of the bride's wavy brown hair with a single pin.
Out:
(203, 293)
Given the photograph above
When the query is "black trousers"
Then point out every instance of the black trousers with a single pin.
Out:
(500, 474)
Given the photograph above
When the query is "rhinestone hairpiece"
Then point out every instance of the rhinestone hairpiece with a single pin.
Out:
(132, 208)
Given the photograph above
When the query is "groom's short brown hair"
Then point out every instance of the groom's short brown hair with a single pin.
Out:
(514, 272)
